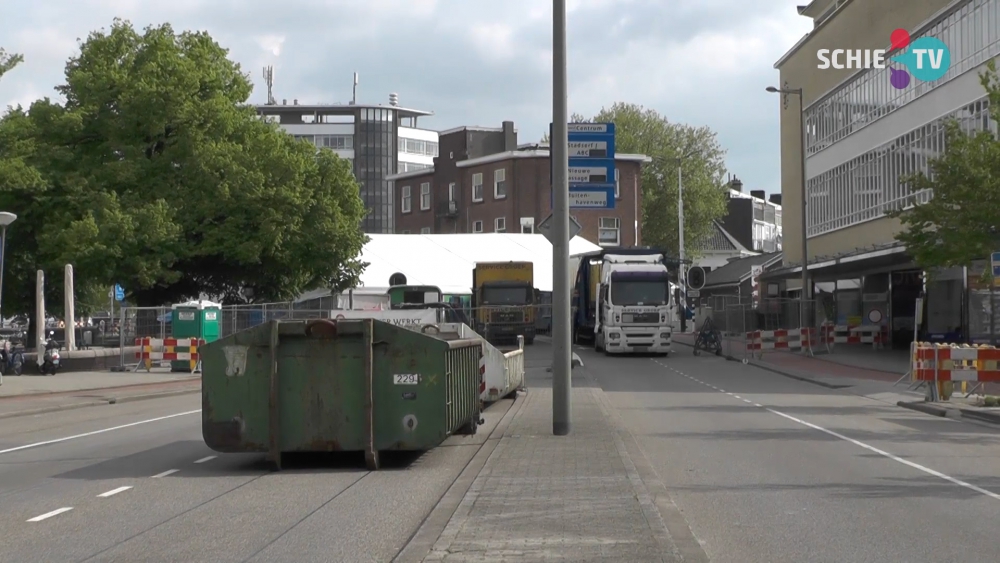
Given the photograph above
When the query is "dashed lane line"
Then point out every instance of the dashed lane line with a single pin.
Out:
(204, 459)
(114, 492)
(48, 515)
(859, 443)
(165, 473)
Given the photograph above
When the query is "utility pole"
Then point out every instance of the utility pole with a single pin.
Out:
(559, 145)
(680, 246)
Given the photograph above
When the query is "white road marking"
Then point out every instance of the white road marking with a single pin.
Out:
(916, 466)
(48, 515)
(165, 473)
(114, 492)
(95, 432)
(204, 459)
(873, 449)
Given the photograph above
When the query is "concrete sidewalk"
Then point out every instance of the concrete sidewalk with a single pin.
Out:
(34, 394)
(590, 496)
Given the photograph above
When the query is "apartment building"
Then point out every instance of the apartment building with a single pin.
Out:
(378, 140)
(483, 181)
(863, 135)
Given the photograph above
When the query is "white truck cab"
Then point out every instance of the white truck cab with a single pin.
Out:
(635, 312)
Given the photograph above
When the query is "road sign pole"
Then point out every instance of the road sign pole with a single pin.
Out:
(561, 322)
(680, 246)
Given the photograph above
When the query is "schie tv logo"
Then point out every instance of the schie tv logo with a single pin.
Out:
(927, 59)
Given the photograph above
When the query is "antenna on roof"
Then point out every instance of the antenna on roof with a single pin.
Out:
(354, 97)
(269, 81)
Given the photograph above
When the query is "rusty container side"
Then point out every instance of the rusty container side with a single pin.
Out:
(417, 403)
(305, 393)
(350, 385)
(234, 391)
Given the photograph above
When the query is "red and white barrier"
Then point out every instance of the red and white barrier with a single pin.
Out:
(791, 339)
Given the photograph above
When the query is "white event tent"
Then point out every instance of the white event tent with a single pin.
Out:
(446, 261)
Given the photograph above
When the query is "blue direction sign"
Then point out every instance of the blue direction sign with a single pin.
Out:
(591, 165)
(119, 293)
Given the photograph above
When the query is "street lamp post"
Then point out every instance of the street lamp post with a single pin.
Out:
(6, 219)
(681, 278)
(802, 165)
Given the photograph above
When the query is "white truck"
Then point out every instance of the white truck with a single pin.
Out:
(635, 304)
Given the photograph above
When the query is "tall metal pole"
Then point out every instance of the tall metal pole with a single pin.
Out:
(803, 318)
(680, 246)
(561, 322)
(3, 259)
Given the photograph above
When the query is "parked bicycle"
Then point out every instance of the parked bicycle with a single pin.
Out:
(12, 354)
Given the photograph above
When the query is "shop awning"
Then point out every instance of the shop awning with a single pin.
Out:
(863, 261)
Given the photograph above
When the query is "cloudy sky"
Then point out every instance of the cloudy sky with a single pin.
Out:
(472, 62)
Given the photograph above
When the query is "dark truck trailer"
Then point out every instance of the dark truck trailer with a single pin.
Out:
(588, 276)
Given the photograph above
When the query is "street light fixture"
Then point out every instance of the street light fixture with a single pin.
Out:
(802, 163)
(6, 219)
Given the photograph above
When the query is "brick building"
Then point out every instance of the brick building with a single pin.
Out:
(484, 182)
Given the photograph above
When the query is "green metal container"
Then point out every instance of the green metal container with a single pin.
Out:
(195, 319)
(349, 385)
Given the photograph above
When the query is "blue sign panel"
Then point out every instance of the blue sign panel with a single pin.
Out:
(119, 293)
(591, 165)
(589, 196)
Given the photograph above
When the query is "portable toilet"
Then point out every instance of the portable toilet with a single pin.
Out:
(194, 319)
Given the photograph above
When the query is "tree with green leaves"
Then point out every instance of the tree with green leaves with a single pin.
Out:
(8, 61)
(698, 154)
(156, 174)
(961, 222)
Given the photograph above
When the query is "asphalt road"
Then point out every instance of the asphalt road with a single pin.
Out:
(765, 469)
(770, 469)
(140, 485)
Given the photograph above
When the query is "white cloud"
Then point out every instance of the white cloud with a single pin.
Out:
(705, 62)
(271, 43)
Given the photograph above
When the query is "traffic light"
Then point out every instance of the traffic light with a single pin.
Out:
(696, 277)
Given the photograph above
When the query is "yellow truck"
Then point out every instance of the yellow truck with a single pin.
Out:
(503, 298)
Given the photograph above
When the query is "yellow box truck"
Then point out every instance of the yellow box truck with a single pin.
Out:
(503, 298)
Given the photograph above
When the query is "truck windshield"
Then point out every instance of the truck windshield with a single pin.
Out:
(506, 295)
(625, 291)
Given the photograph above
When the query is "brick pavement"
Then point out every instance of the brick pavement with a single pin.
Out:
(573, 498)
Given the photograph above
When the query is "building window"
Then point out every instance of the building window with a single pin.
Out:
(866, 187)
(335, 142)
(609, 231)
(618, 188)
(405, 199)
(425, 196)
(418, 147)
(970, 35)
(451, 192)
(477, 226)
(425, 230)
(500, 183)
(402, 167)
(528, 225)
(477, 187)
(500, 224)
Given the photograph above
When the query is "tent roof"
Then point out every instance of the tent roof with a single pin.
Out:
(447, 260)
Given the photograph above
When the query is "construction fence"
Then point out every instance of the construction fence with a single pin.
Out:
(133, 324)
(751, 328)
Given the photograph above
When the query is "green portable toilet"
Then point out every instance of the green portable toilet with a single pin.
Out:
(194, 319)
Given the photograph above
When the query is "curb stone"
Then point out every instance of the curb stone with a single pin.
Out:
(954, 412)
